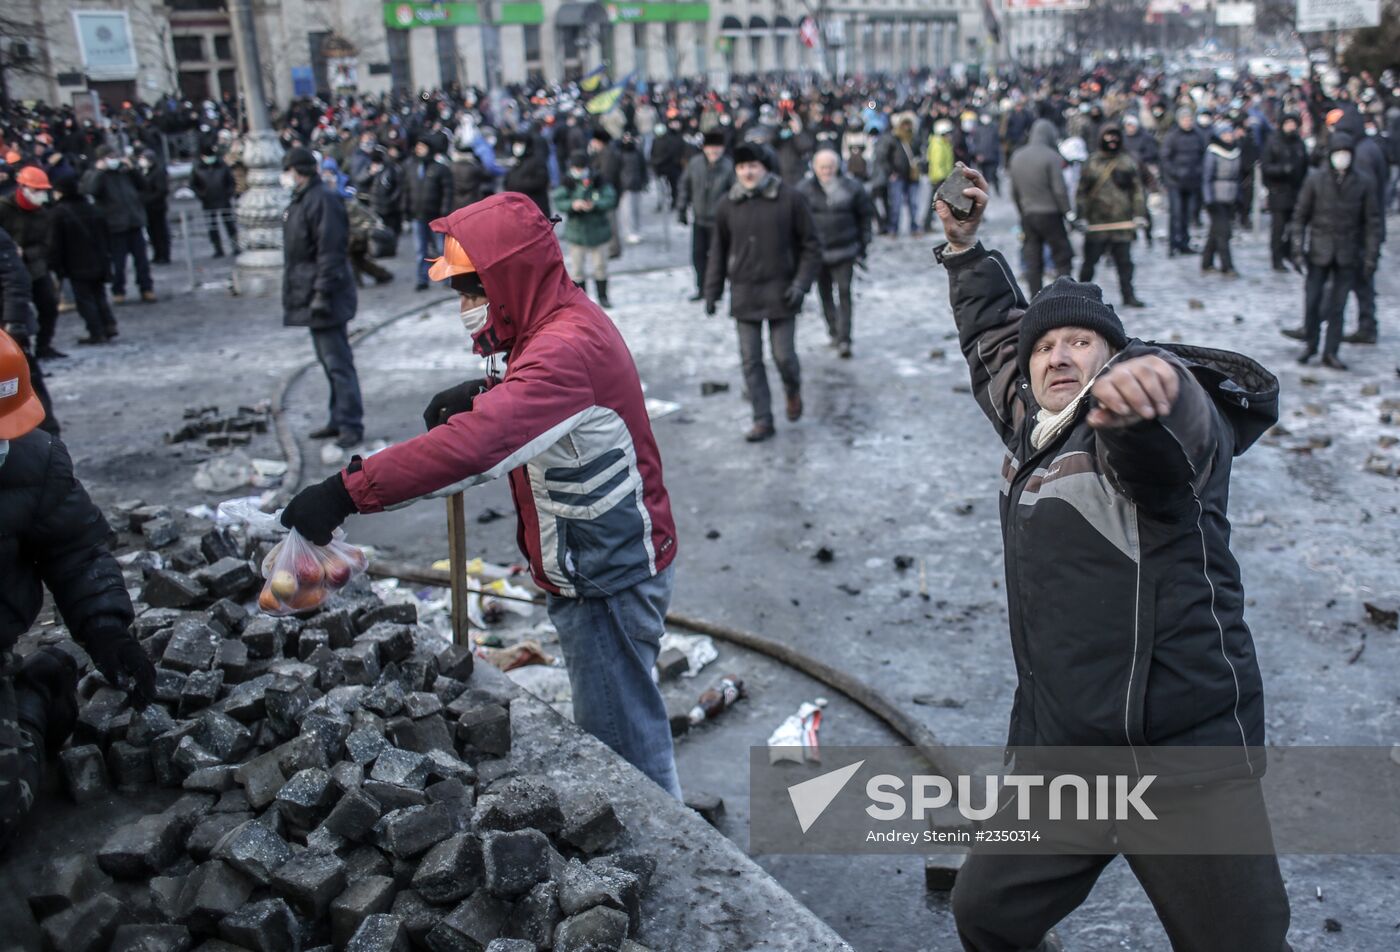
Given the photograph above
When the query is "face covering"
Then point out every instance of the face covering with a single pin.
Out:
(210, 159)
(36, 196)
(1341, 161)
(518, 149)
(474, 318)
(114, 164)
(1112, 144)
(289, 179)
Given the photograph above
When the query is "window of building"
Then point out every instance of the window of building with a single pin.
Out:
(228, 82)
(446, 54)
(639, 49)
(223, 47)
(194, 84)
(532, 44)
(188, 49)
(400, 68)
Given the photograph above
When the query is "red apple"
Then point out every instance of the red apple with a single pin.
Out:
(308, 569)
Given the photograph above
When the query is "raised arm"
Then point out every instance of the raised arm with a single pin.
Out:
(987, 308)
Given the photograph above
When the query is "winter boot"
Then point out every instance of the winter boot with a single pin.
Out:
(602, 293)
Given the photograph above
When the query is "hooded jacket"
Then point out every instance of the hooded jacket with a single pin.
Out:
(212, 183)
(1220, 173)
(51, 535)
(1338, 217)
(567, 423)
(78, 241)
(764, 243)
(427, 187)
(1126, 605)
(1110, 193)
(1037, 181)
(117, 194)
(1367, 155)
(530, 174)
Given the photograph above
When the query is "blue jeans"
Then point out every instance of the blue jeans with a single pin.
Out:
(610, 646)
(903, 195)
(337, 359)
(429, 246)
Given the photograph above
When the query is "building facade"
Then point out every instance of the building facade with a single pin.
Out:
(142, 49)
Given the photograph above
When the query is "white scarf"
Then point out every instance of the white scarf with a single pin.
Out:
(1050, 425)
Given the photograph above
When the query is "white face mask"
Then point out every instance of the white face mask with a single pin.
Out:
(1341, 161)
(289, 179)
(474, 318)
(114, 164)
(37, 196)
(518, 149)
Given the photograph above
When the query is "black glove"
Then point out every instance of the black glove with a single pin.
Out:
(710, 308)
(452, 401)
(792, 297)
(684, 217)
(320, 306)
(122, 661)
(318, 510)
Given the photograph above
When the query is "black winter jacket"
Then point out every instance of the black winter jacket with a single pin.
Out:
(51, 535)
(427, 188)
(668, 151)
(212, 184)
(16, 294)
(1126, 604)
(703, 185)
(155, 188)
(470, 180)
(842, 218)
(117, 194)
(1183, 159)
(78, 241)
(631, 168)
(315, 243)
(764, 243)
(530, 174)
(1283, 167)
(1341, 218)
(385, 190)
(30, 230)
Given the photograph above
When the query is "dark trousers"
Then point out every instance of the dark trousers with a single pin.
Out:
(1244, 205)
(225, 217)
(1004, 902)
(1122, 254)
(700, 236)
(46, 304)
(782, 336)
(90, 301)
(338, 361)
(880, 198)
(1365, 288)
(1325, 297)
(672, 177)
(158, 231)
(1218, 240)
(1042, 230)
(1279, 245)
(362, 263)
(834, 289)
(1181, 209)
(130, 243)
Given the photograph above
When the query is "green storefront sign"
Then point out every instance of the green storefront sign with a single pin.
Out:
(406, 16)
(659, 12)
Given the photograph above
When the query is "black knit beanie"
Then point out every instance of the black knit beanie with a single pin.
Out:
(1067, 303)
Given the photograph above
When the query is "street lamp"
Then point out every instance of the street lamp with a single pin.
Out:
(258, 267)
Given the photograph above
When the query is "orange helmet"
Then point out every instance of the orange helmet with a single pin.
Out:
(454, 260)
(20, 410)
(32, 176)
(1334, 116)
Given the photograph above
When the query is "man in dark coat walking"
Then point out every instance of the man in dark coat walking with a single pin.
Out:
(78, 254)
(1038, 189)
(114, 188)
(765, 244)
(842, 213)
(707, 179)
(211, 180)
(51, 536)
(17, 320)
(382, 181)
(1337, 233)
(318, 290)
(26, 215)
(1283, 167)
(1126, 603)
(427, 195)
(1183, 163)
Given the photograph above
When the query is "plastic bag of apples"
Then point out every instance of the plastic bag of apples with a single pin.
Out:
(301, 575)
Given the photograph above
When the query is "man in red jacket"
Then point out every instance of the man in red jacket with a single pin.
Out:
(568, 425)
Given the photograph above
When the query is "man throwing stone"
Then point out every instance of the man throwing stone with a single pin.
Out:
(1126, 604)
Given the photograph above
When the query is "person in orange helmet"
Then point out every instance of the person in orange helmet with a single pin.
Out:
(27, 216)
(17, 320)
(51, 536)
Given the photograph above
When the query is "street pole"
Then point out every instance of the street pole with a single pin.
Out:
(258, 268)
(490, 46)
